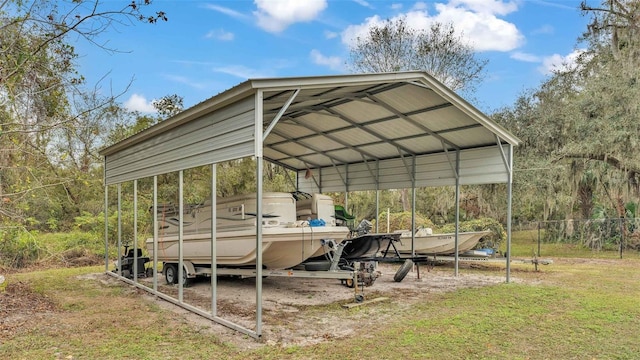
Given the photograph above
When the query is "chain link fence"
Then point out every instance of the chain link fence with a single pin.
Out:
(614, 234)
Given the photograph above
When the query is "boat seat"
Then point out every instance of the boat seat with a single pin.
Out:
(307, 208)
(304, 214)
(131, 252)
(317, 206)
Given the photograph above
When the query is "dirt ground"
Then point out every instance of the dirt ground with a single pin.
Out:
(303, 311)
(296, 311)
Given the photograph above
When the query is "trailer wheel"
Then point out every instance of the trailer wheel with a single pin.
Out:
(317, 266)
(348, 283)
(403, 270)
(171, 274)
(127, 274)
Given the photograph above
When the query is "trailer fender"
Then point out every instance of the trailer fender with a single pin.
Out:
(190, 269)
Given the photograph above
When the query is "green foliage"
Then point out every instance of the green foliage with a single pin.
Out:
(402, 221)
(580, 127)
(89, 223)
(168, 105)
(631, 209)
(18, 248)
(58, 244)
(594, 234)
(51, 125)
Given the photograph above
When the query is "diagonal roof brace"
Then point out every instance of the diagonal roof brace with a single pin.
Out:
(275, 120)
(410, 171)
(373, 176)
(453, 166)
(504, 156)
(344, 181)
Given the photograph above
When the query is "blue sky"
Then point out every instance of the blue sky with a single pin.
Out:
(207, 47)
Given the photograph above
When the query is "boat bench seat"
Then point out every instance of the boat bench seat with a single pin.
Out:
(309, 208)
(304, 214)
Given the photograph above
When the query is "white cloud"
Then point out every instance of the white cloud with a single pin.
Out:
(482, 29)
(526, 57)
(185, 81)
(139, 103)
(550, 63)
(330, 34)
(276, 15)
(242, 72)
(557, 4)
(226, 11)
(396, 6)
(333, 62)
(353, 32)
(558, 62)
(220, 35)
(419, 6)
(364, 3)
(544, 29)
(496, 7)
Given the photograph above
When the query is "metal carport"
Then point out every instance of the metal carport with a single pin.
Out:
(339, 133)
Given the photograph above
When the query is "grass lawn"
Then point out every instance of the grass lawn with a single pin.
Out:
(580, 307)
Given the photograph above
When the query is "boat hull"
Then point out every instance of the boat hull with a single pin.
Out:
(440, 243)
(282, 247)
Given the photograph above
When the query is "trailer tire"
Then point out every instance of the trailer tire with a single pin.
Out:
(317, 266)
(403, 270)
(171, 274)
(348, 283)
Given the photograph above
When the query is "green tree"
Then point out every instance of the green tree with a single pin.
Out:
(50, 123)
(168, 105)
(580, 128)
(439, 50)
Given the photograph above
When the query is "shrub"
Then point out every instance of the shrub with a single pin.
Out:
(402, 221)
(19, 248)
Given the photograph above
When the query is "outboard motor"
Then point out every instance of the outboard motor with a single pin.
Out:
(364, 227)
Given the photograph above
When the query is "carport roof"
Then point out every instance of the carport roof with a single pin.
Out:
(324, 121)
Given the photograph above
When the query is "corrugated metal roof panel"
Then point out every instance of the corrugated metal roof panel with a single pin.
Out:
(324, 122)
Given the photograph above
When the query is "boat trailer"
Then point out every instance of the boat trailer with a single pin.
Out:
(356, 275)
(432, 260)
